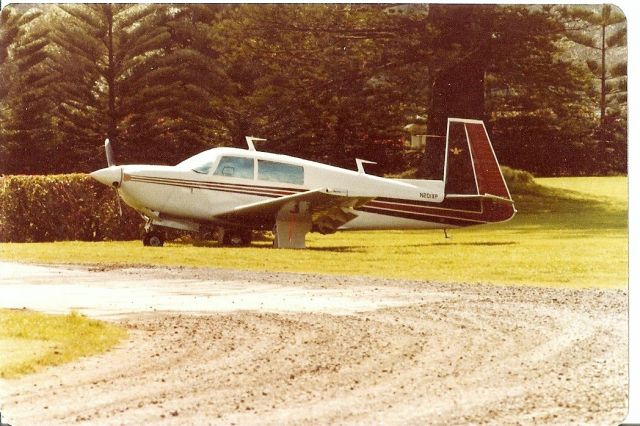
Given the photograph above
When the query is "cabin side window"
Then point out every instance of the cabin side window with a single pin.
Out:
(280, 172)
(238, 167)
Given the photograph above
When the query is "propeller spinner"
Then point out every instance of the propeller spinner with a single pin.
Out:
(110, 176)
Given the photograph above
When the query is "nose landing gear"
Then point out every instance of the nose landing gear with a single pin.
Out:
(152, 237)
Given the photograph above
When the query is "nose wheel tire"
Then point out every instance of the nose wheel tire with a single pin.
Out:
(153, 239)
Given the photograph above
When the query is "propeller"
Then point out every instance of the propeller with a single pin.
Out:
(118, 203)
(109, 151)
(111, 162)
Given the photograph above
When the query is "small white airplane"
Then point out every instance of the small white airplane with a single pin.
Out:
(235, 191)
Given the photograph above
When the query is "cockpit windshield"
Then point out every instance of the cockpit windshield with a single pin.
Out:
(201, 163)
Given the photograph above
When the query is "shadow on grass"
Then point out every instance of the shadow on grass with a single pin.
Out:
(339, 249)
(196, 243)
(268, 245)
(473, 243)
(554, 209)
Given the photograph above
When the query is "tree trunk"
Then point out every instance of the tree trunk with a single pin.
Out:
(458, 92)
(111, 76)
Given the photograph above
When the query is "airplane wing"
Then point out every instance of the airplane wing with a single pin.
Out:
(328, 209)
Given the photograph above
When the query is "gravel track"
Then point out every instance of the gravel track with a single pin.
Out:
(415, 353)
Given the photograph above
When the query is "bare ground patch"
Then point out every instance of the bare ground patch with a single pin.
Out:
(476, 354)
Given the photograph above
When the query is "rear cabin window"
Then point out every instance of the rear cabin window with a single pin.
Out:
(238, 167)
(280, 172)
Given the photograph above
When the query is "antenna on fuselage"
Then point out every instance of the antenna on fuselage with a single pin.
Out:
(360, 162)
(250, 140)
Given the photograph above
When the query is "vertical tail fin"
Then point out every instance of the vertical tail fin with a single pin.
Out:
(472, 170)
(470, 162)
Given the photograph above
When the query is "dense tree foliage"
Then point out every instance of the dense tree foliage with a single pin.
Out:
(328, 82)
(313, 82)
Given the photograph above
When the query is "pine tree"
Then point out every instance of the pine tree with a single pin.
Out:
(537, 99)
(142, 75)
(602, 31)
(28, 138)
(327, 82)
(91, 60)
(171, 97)
(9, 29)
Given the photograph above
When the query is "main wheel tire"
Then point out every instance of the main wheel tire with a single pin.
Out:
(153, 239)
(236, 238)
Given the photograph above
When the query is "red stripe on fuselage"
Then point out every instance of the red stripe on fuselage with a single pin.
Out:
(216, 186)
(449, 212)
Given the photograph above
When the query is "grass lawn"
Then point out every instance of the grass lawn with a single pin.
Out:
(611, 188)
(569, 232)
(31, 340)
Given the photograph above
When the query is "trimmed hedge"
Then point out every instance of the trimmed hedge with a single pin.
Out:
(62, 207)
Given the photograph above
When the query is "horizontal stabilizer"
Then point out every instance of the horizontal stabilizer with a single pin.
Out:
(481, 197)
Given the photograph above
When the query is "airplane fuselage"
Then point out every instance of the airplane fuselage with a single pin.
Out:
(211, 187)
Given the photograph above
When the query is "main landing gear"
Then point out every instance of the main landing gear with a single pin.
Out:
(234, 237)
(153, 239)
(226, 237)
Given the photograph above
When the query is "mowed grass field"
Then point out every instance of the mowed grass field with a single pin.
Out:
(32, 340)
(569, 232)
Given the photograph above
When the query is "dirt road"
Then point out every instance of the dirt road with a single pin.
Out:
(228, 347)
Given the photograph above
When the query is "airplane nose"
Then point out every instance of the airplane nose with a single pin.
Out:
(110, 176)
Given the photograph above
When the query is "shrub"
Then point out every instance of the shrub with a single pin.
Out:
(518, 180)
(62, 207)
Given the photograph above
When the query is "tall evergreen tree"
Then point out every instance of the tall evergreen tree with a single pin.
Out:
(537, 99)
(95, 53)
(602, 31)
(142, 75)
(28, 129)
(327, 82)
(9, 29)
(171, 94)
